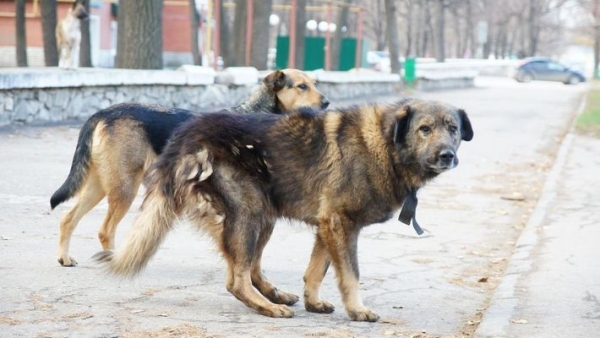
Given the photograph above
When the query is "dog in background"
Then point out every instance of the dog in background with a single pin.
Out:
(118, 144)
(68, 35)
(233, 176)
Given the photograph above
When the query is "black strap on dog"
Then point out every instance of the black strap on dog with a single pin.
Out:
(409, 211)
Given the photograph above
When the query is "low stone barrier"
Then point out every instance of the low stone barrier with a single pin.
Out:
(444, 75)
(446, 80)
(45, 95)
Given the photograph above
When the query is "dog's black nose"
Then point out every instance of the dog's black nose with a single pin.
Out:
(447, 156)
(324, 103)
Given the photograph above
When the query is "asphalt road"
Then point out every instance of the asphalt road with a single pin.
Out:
(436, 285)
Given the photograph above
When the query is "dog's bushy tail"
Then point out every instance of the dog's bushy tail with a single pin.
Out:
(80, 165)
(148, 232)
(171, 183)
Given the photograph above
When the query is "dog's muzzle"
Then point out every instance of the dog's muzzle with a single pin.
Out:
(324, 103)
(447, 159)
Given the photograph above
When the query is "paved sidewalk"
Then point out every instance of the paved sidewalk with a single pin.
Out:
(552, 285)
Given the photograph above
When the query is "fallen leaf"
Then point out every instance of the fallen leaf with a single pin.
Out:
(515, 196)
(519, 321)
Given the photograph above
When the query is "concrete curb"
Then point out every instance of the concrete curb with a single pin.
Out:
(496, 319)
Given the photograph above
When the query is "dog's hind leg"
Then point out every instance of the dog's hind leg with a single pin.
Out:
(91, 193)
(313, 277)
(120, 196)
(260, 281)
(239, 242)
(341, 237)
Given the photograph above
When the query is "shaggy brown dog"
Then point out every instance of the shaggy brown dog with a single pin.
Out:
(233, 176)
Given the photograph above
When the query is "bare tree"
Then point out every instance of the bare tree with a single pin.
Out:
(375, 23)
(596, 15)
(410, 12)
(592, 28)
(239, 33)
(440, 50)
(194, 25)
(336, 43)
(121, 36)
(260, 33)
(534, 26)
(21, 33)
(48, 13)
(225, 41)
(142, 48)
(392, 35)
(85, 47)
(300, 33)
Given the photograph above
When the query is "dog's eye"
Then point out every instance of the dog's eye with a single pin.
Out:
(303, 86)
(453, 129)
(425, 129)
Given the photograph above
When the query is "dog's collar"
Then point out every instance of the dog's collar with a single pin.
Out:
(409, 211)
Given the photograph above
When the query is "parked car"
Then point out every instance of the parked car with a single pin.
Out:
(545, 69)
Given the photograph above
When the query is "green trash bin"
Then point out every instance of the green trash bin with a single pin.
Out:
(410, 71)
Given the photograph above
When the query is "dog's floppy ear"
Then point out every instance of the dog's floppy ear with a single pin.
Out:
(466, 131)
(275, 81)
(401, 126)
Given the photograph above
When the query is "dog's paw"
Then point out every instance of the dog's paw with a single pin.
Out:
(280, 297)
(67, 261)
(320, 307)
(278, 311)
(363, 315)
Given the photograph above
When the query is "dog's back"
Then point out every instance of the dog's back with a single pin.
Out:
(157, 122)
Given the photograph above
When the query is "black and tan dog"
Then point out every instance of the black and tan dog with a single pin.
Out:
(118, 144)
(233, 176)
(68, 35)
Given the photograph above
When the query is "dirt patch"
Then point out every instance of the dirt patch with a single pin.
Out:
(183, 330)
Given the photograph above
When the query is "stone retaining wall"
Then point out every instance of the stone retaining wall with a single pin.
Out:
(43, 95)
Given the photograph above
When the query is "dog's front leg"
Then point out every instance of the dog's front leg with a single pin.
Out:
(75, 54)
(340, 237)
(317, 268)
(63, 61)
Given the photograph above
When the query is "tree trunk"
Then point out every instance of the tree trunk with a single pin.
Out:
(300, 33)
(440, 54)
(470, 31)
(410, 10)
(420, 29)
(336, 43)
(143, 34)
(533, 27)
(596, 14)
(239, 33)
(392, 35)
(260, 34)
(121, 36)
(379, 27)
(224, 38)
(48, 13)
(85, 48)
(427, 29)
(194, 25)
(459, 47)
(21, 34)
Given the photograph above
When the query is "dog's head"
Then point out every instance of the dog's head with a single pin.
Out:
(78, 9)
(429, 133)
(295, 89)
